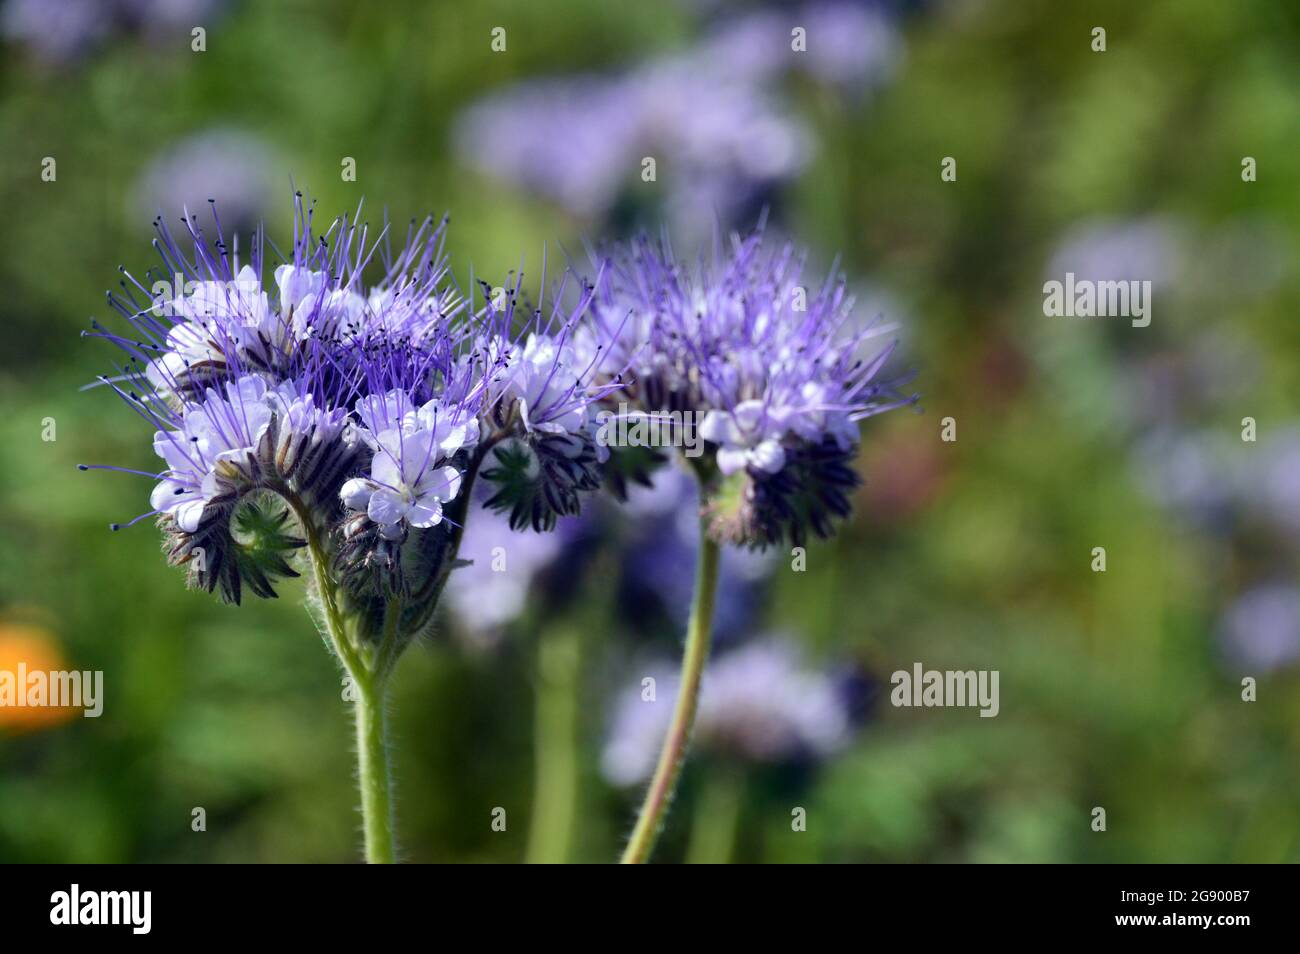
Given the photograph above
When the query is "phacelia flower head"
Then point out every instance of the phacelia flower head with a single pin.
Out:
(206, 317)
(773, 372)
(354, 386)
(540, 389)
(758, 704)
(343, 400)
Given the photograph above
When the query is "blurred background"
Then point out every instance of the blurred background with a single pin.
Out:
(1120, 689)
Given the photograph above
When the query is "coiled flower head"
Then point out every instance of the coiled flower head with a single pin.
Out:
(540, 390)
(362, 407)
(773, 373)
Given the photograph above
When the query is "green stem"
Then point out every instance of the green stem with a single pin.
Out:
(673, 753)
(717, 812)
(369, 674)
(555, 765)
(373, 772)
(369, 665)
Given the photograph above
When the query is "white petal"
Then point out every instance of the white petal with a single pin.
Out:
(247, 391)
(189, 514)
(417, 456)
(768, 456)
(386, 506)
(426, 512)
(383, 467)
(731, 459)
(164, 496)
(454, 441)
(717, 427)
(356, 493)
(450, 483)
(748, 414)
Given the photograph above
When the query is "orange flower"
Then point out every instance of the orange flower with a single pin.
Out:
(37, 650)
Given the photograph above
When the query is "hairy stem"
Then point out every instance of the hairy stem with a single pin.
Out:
(673, 753)
(555, 757)
(373, 771)
(369, 674)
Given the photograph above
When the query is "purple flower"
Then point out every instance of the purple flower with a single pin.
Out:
(712, 115)
(773, 372)
(847, 44)
(1275, 479)
(538, 393)
(511, 136)
(220, 430)
(652, 537)
(1120, 250)
(410, 476)
(365, 406)
(758, 704)
(1216, 480)
(494, 588)
(55, 32)
(724, 137)
(354, 413)
(60, 31)
(1261, 630)
(206, 317)
(230, 166)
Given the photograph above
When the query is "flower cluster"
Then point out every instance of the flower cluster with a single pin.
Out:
(772, 371)
(346, 401)
(364, 407)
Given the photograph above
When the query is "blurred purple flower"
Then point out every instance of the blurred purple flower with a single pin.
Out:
(1215, 480)
(1188, 473)
(568, 139)
(167, 16)
(58, 32)
(1120, 250)
(493, 590)
(655, 535)
(230, 166)
(758, 704)
(849, 45)
(1277, 489)
(717, 139)
(1261, 630)
(661, 554)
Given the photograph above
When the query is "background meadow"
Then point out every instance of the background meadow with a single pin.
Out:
(1119, 689)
